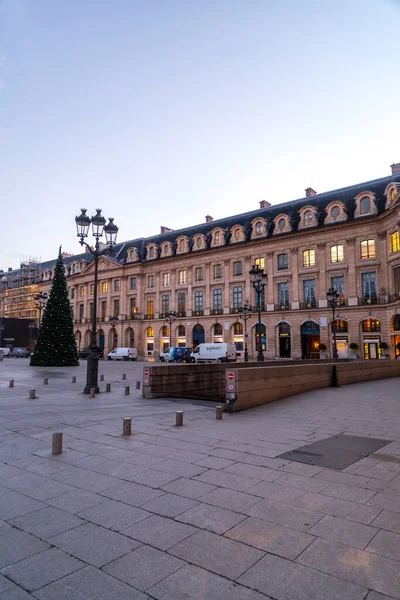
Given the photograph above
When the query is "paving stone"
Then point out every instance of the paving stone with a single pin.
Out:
(338, 508)
(257, 472)
(377, 596)
(275, 491)
(339, 477)
(284, 514)
(46, 522)
(302, 469)
(309, 484)
(160, 532)
(135, 458)
(144, 567)
(188, 488)
(344, 531)
(4, 525)
(386, 543)
(212, 518)
(86, 480)
(108, 466)
(132, 493)
(9, 471)
(114, 515)
(93, 544)
(5, 584)
(76, 501)
(285, 580)
(348, 492)
(215, 553)
(177, 467)
(387, 520)
(193, 583)
(387, 501)
(169, 505)
(227, 480)
(36, 486)
(41, 569)
(89, 584)
(15, 593)
(17, 545)
(363, 568)
(230, 499)
(270, 537)
(213, 462)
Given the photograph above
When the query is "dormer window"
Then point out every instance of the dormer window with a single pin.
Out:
(281, 224)
(259, 228)
(236, 234)
(181, 245)
(218, 238)
(198, 242)
(392, 194)
(335, 212)
(308, 218)
(365, 205)
(151, 252)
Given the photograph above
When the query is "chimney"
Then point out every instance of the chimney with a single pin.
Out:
(165, 229)
(10, 269)
(264, 204)
(310, 192)
(395, 168)
(209, 219)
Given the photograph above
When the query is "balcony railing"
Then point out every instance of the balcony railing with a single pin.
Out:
(149, 315)
(373, 299)
(282, 306)
(234, 310)
(311, 304)
(181, 313)
(197, 313)
(216, 311)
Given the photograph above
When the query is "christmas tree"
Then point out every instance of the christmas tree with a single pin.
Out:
(56, 345)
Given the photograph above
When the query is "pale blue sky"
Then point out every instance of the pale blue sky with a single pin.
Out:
(163, 111)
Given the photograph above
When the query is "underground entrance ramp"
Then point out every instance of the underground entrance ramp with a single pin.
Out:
(337, 452)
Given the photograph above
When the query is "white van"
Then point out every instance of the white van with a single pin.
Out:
(122, 354)
(214, 353)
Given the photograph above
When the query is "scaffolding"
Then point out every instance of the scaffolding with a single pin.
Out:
(20, 289)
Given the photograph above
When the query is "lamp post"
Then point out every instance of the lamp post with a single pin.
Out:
(245, 312)
(99, 226)
(41, 299)
(1, 333)
(258, 279)
(170, 318)
(113, 320)
(333, 300)
(31, 328)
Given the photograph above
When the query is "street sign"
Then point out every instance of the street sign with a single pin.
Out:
(146, 371)
(146, 381)
(246, 335)
(231, 387)
(231, 376)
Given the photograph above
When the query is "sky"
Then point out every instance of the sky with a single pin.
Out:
(163, 111)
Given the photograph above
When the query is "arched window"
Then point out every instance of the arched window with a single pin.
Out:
(217, 329)
(181, 331)
(335, 212)
(236, 234)
(284, 329)
(151, 252)
(198, 242)
(165, 331)
(181, 245)
(218, 238)
(237, 329)
(281, 224)
(166, 249)
(308, 218)
(259, 228)
(150, 332)
(365, 205)
(371, 325)
(340, 326)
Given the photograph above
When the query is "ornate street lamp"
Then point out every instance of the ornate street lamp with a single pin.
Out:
(170, 318)
(99, 227)
(333, 298)
(245, 312)
(258, 279)
(113, 320)
(40, 302)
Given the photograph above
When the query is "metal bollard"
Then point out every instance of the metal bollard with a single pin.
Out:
(101, 377)
(126, 426)
(32, 394)
(218, 412)
(123, 375)
(127, 390)
(138, 384)
(179, 418)
(73, 379)
(108, 387)
(93, 392)
(46, 381)
(57, 443)
(11, 383)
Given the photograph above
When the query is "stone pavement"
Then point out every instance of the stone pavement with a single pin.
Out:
(206, 511)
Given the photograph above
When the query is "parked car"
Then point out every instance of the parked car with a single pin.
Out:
(122, 354)
(84, 353)
(214, 353)
(20, 353)
(176, 355)
(5, 351)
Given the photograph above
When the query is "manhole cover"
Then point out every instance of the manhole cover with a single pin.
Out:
(337, 452)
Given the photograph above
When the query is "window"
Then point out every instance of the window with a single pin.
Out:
(104, 287)
(237, 329)
(103, 307)
(259, 298)
(365, 205)
(308, 258)
(217, 299)
(218, 238)
(116, 308)
(91, 311)
(132, 307)
(283, 262)
(91, 289)
(81, 291)
(260, 262)
(116, 285)
(371, 325)
(340, 326)
(259, 228)
(337, 253)
(217, 271)
(181, 303)
(182, 277)
(368, 249)
(150, 281)
(181, 245)
(151, 252)
(164, 303)
(133, 283)
(237, 268)
(237, 297)
(165, 280)
(198, 301)
(236, 234)
(396, 280)
(166, 249)
(72, 293)
(335, 212)
(395, 242)
(369, 287)
(283, 294)
(337, 283)
(199, 274)
(181, 331)
(198, 242)
(309, 292)
(281, 224)
(150, 332)
(308, 218)
(150, 307)
(81, 309)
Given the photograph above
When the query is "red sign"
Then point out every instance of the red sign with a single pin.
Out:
(146, 381)
(231, 376)
(146, 371)
(231, 387)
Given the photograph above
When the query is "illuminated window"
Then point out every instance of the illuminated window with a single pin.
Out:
(395, 242)
(371, 325)
(199, 275)
(91, 289)
(104, 287)
(260, 262)
(150, 332)
(133, 283)
(259, 228)
(308, 218)
(337, 253)
(82, 291)
(150, 307)
(368, 249)
(365, 205)
(237, 329)
(116, 285)
(182, 277)
(308, 258)
(133, 307)
(217, 271)
(392, 194)
(237, 268)
(165, 281)
(150, 281)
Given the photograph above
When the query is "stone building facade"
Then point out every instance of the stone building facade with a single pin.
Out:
(347, 239)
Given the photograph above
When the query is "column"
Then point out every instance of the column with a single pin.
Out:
(173, 304)
(189, 300)
(248, 288)
(156, 294)
(382, 283)
(351, 283)
(123, 297)
(322, 289)
(227, 292)
(208, 296)
(294, 267)
(270, 282)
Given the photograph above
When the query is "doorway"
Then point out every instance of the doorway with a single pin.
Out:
(198, 335)
(284, 340)
(310, 340)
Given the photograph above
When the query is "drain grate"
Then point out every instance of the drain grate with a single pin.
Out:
(337, 452)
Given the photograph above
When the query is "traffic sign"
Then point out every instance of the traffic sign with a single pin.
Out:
(246, 335)
(146, 381)
(231, 376)
(231, 387)
(146, 371)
